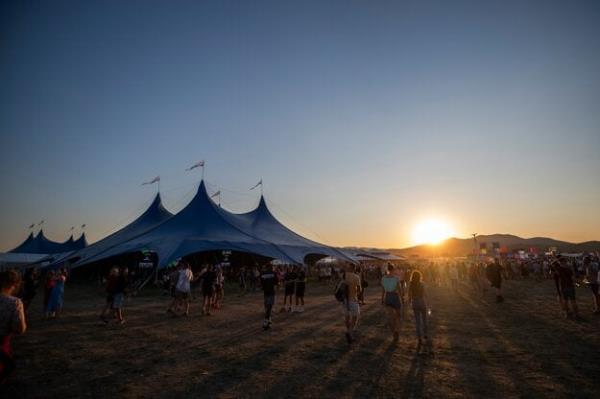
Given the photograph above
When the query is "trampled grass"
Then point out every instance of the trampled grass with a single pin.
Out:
(479, 349)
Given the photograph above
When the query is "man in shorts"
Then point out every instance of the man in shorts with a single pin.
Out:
(183, 290)
(120, 288)
(111, 282)
(290, 286)
(300, 288)
(351, 280)
(209, 281)
(268, 281)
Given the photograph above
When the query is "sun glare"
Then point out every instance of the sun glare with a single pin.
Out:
(432, 231)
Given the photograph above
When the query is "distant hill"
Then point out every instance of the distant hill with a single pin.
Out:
(464, 246)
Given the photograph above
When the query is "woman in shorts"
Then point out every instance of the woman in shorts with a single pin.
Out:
(390, 298)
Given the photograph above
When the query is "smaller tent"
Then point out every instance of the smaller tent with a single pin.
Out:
(42, 245)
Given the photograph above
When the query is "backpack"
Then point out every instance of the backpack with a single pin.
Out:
(341, 291)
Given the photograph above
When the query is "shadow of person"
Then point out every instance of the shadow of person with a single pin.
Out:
(378, 364)
(414, 381)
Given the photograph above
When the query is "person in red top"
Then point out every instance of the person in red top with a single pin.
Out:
(12, 319)
(48, 286)
(111, 282)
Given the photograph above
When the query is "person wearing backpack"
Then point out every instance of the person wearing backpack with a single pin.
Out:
(347, 290)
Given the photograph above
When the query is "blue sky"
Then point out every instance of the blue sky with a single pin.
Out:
(362, 118)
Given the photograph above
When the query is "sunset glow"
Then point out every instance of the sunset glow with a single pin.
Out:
(431, 231)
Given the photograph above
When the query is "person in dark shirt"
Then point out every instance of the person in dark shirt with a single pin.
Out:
(494, 275)
(268, 281)
(290, 286)
(566, 285)
(300, 288)
(554, 266)
(30, 284)
(119, 290)
(111, 282)
(209, 280)
(591, 277)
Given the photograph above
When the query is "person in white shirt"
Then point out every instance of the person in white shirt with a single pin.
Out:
(183, 289)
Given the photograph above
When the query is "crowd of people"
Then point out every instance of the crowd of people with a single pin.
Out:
(402, 286)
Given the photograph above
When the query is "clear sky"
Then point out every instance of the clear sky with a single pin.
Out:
(361, 117)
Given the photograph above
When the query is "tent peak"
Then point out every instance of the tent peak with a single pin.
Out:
(262, 203)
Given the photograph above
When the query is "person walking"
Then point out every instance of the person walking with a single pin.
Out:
(565, 274)
(12, 320)
(30, 285)
(242, 279)
(416, 297)
(362, 274)
(111, 282)
(268, 281)
(120, 289)
(494, 275)
(209, 280)
(183, 288)
(591, 276)
(256, 278)
(56, 298)
(49, 282)
(390, 299)
(290, 286)
(351, 283)
(300, 289)
(173, 281)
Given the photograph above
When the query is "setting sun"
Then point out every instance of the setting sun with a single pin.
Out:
(431, 231)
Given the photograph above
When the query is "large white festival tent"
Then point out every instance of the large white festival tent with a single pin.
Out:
(201, 226)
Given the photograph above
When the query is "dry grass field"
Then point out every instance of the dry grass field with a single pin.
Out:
(479, 349)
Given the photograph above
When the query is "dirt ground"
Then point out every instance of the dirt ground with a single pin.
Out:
(479, 349)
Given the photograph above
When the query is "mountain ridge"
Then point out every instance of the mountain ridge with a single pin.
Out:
(455, 246)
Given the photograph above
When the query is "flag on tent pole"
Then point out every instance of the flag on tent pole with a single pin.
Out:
(256, 185)
(32, 225)
(199, 164)
(83, 226)
(156, 179)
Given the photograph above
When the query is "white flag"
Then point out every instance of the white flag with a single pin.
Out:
(257, 184)
(196, 165)
(156, 179)
(216, 194)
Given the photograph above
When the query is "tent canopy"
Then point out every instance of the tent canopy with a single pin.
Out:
(154, 215)
(42, 245)
(204, 226)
